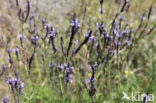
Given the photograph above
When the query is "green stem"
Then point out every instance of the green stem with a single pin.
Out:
(109, 82)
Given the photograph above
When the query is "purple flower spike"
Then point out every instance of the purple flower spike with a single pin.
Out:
(16, 50)
(118, 43)
(91, 38)
(86, 34)
(127, 42)
(52, 64)
(90, 67)
(4, 100)
(75, 23)
(61, 67)
(68, 70)
(28, 4)
(101, 10)
(52, 33)
(21, 37)
(35, 38)
(47, 25)
(43, 19)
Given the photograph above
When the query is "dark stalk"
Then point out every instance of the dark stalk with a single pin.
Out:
(62, 46)
(84, 42)
(28, 10)
(71, 40)
(30, 61)
(124, 5)
(17, 4)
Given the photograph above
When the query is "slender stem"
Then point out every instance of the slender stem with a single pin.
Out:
(109, 81)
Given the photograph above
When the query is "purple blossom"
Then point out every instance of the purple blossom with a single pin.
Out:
(43, 19)
(8, 58)
(52, 64)
(69, 78)
(115, 33)
(4, 100)
(4, 66)
(15, 83)
(121, 18)
(111, 51)
(28, 4)
(47, 25)
(75, 23)
(68, 71)
(118, 43)
(61, 67)
(9, 50)
(90, 67)
(127, 42)
(86, 34)
(151, 27)
(21, 36)
(16, 50)
(32, 14)
(101, 10)
(76, 43)
(35, 38)
(91, 38)
(89, 79)
(30, 21)
(95, 64)
(100, 26)
(52, 33)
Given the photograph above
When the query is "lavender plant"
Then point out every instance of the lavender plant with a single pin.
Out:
(59, 58)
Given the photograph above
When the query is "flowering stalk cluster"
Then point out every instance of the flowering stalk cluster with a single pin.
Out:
(16, 86)
(68, 71)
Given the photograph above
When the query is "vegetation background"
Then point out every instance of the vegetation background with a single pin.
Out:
(45, 85)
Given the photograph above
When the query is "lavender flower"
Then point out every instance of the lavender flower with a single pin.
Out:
(68, 71)
(85, 41)
(47, 25)
(34, 39)
(100, 26)
(15, 84)
(86, 34)
(16, 50)
(28, 4)
(127, 42)
(51, 39)
(75, 26)
(21, 37)
(91, 38)
(52, 64)
(118, 43)
(101, 10)
(75, 23)
(91, 79)
(76, 43)
(52, 33)
(4, 100)
(61, 67)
